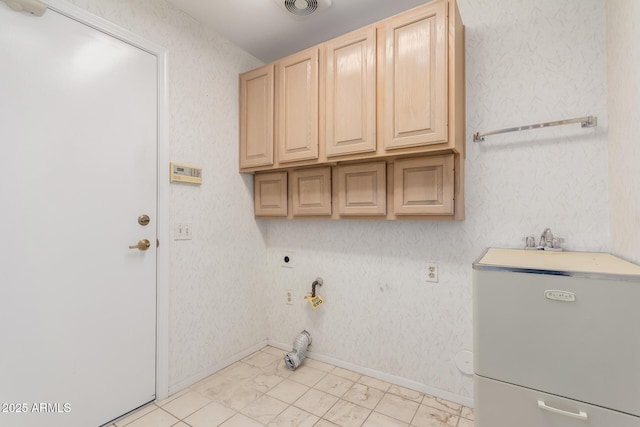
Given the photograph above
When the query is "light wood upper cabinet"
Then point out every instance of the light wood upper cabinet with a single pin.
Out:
(256, 117)
(394, 88)
(362, 189)
(297, 106)
(350, 91)
(415, 77)
(424, 185)
(270, 194)
(311, 191)
(372, 121)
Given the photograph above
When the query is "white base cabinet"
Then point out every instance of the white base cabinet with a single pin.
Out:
(499, 404)
(555, 339)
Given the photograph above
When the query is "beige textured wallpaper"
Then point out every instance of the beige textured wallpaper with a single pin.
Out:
(623, 69)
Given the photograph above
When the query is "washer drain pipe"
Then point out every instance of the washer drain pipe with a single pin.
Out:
(294, 358)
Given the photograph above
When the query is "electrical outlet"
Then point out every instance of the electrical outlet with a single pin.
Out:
(289, 296)
(287, 259)
(432, 272)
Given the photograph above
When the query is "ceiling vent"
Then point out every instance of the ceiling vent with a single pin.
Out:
(302, 8)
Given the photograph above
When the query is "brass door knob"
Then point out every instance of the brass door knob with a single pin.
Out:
(142, 245)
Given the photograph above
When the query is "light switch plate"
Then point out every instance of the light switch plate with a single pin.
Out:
(182, 231)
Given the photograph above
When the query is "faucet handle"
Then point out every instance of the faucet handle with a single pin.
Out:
(530, 242)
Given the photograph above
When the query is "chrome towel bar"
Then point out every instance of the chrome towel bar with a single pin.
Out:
(585, 122)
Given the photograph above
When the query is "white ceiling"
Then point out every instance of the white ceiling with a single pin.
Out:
(268, 32)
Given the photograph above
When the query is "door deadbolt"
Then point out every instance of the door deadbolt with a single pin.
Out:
(144, 220)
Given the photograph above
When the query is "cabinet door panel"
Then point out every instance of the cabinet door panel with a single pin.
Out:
(424, 186)
(270, 194)
(362, 189)
(311, 191)
(415, 78)
(256, 117)
(351, 93)
(297, 108)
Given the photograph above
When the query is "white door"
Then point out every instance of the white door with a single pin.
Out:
(78, 140)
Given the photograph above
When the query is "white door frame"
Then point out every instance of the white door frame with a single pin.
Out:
(162, 259)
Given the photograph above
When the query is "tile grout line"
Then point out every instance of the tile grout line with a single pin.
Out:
(271, 369)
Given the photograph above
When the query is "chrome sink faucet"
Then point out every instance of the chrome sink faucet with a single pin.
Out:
(547, 242)
(546, 239)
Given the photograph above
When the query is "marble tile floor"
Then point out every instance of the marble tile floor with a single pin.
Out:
(260, 391)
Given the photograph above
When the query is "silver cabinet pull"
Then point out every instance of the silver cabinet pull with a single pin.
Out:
(142, 245)
(580, 415)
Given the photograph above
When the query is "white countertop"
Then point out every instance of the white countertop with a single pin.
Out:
(576, 262)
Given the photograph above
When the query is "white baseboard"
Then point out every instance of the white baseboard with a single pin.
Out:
(403, 382)
(181, 385)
